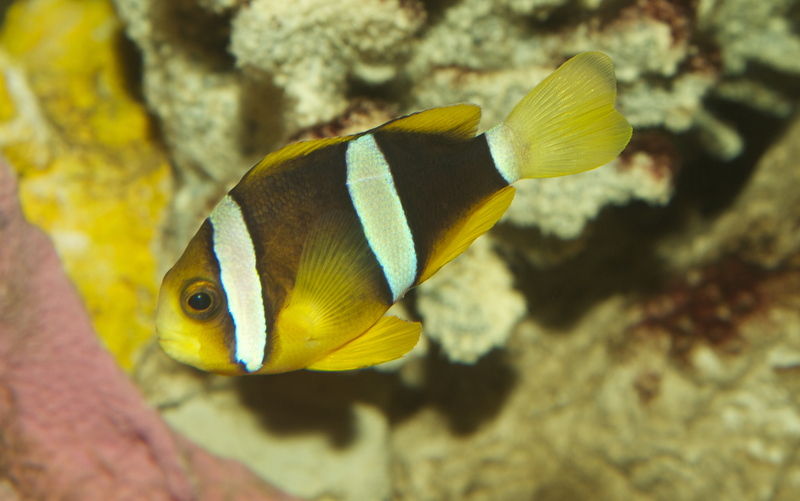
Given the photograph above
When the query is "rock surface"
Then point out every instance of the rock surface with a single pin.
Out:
(467, 324)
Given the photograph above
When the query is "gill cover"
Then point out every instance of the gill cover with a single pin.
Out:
(193, 323)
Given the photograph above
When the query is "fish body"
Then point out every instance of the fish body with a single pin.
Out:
(298, 263)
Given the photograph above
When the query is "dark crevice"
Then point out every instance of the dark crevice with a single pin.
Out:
(435, 9)
(783, 83)
(618, 258)
(4, 5)
(299, 403)
(392, 91)
(203, 35)
(307, 402)
(468, 395)
(132, 66)
(130, 61)
(569, 14)
(794, 17)
(261, 115)
(709, 185)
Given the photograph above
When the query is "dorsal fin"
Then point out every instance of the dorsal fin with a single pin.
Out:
(458, 122)
(476, 224)
(290, 151)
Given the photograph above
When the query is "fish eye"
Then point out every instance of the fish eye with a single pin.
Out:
(200, 300)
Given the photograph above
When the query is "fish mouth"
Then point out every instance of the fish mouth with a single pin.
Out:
(180, 347)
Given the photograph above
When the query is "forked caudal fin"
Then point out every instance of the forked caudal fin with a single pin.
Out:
(566, 125)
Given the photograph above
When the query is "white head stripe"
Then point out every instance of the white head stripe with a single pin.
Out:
(237, 263)
(374, 196)
(502, 149)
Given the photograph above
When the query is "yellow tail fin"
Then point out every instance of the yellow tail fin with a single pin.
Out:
(566, 125)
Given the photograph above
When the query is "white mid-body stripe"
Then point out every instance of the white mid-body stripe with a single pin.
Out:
(371, 187)
(501, 147)
(237, 263)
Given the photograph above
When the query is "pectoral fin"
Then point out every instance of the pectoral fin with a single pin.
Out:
(390, 338)
(337, 293)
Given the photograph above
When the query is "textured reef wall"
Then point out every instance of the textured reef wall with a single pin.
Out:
(628, 333)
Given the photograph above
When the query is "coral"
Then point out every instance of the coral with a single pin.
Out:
(480, 36)
(563, 206)
(92, 174)
(753, 33)
(707, 306)
(74, 426)
(311, 56)
(470, 306)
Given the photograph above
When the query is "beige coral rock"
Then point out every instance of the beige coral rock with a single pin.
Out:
(310, 54)
(470, 306)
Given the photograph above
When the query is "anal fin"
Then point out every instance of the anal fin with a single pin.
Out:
(390, 338)
(476, 224)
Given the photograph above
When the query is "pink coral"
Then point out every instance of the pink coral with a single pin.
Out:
(72, 426)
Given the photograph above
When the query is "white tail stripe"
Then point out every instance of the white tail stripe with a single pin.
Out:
(372, 190)
(501, 146)
(237, 263)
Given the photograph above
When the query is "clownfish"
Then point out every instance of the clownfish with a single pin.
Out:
(297, 265)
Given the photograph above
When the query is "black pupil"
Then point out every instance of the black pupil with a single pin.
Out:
(200, 301)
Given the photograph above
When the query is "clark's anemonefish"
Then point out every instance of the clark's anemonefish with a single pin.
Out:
(297, 265)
